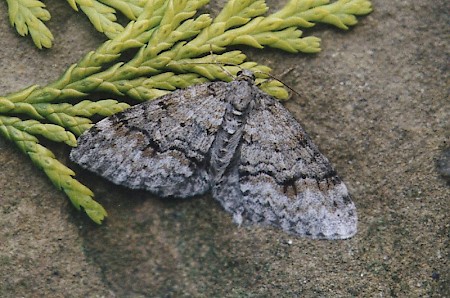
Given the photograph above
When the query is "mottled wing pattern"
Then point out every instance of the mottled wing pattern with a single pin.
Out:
(231, 138)
(285, 181)
(160, 145)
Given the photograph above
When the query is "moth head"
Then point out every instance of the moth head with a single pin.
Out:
(246, 75)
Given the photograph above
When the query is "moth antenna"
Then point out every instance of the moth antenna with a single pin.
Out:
(221, 64)
(279, 80)
(218, 63)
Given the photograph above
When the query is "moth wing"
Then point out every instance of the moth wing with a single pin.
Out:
(282, 179)
(161, 145)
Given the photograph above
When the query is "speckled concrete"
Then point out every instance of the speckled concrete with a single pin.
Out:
(375, 100)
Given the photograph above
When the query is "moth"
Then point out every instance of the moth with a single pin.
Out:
(230, 139)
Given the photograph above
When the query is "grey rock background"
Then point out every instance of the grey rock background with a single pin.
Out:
(375, 100)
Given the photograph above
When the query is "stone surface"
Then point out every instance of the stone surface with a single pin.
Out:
(375, 101)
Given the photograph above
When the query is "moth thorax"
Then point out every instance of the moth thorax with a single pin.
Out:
(243, 97)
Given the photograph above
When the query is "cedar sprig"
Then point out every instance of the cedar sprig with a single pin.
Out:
(28, 16)
(61, 176)
(103, 17)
